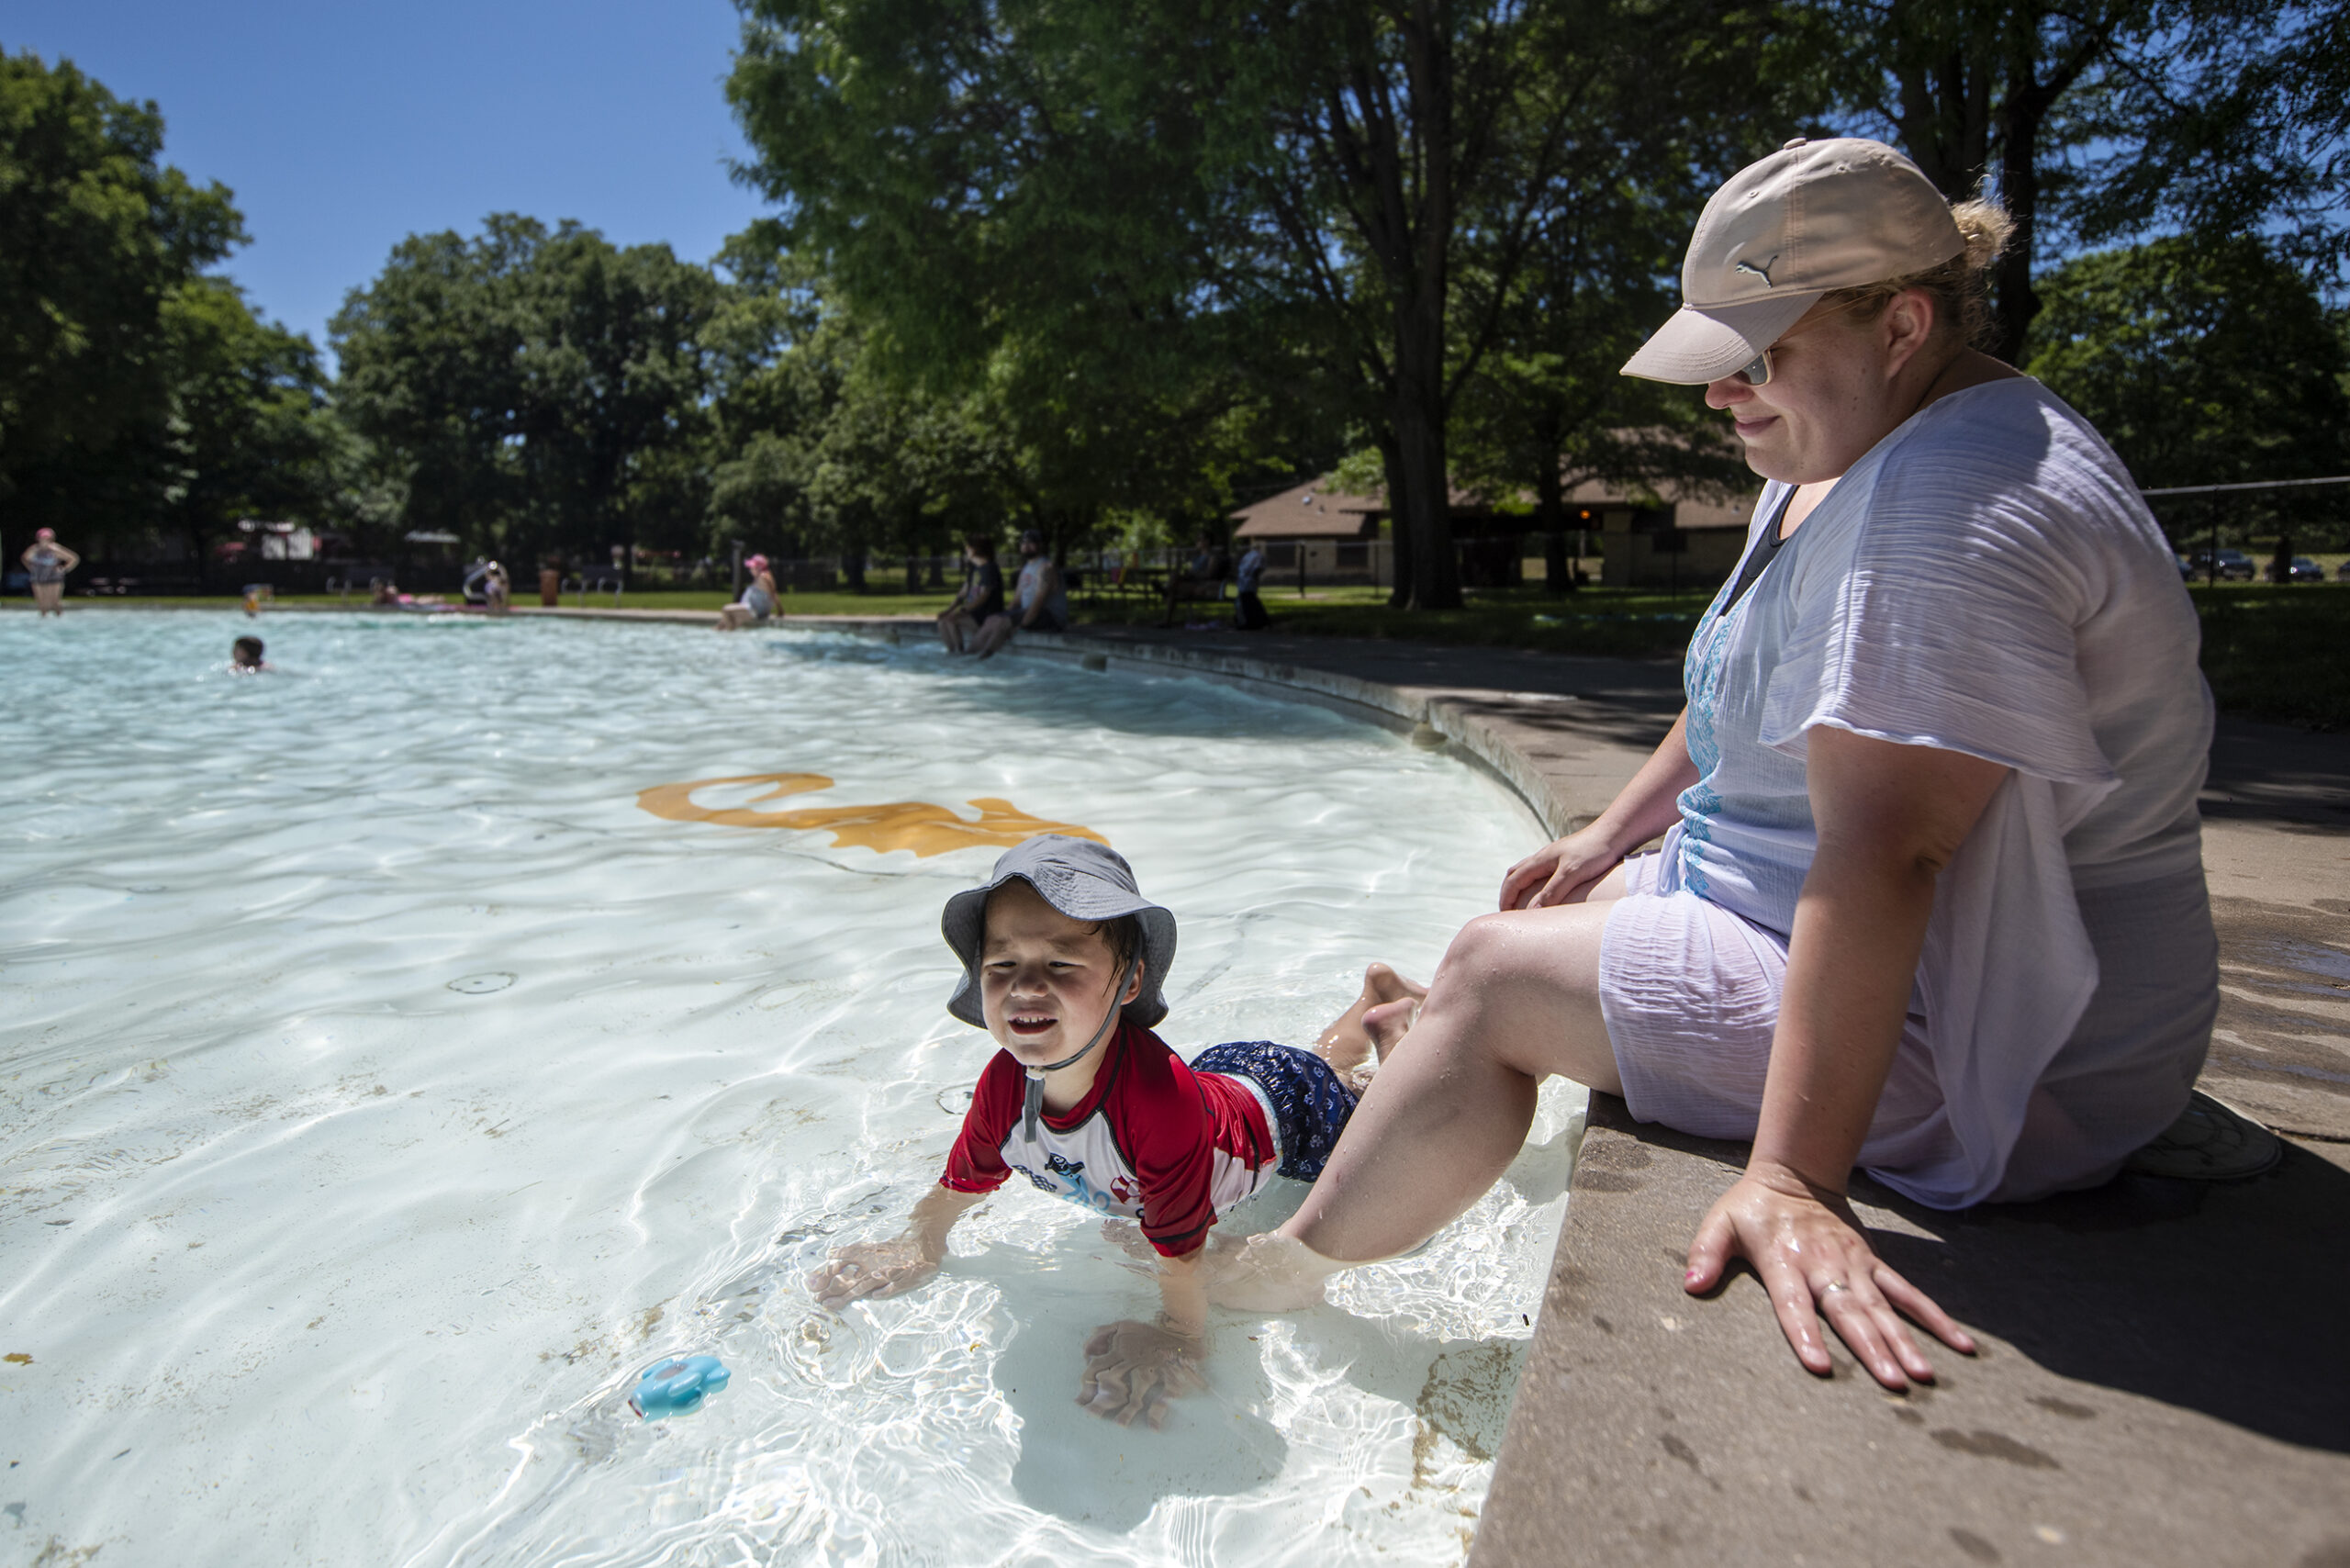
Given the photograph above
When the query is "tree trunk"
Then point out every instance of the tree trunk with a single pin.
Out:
(2014, 302)
(1550, 521)
(1423, 507)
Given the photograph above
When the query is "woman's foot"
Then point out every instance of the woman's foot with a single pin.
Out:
(1349, 1044)
(1272, 1273)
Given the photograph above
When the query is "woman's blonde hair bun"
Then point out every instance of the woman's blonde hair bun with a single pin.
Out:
(1960, 287)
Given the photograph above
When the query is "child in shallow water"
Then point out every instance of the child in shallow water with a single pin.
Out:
(1063, 961)
(245, 656)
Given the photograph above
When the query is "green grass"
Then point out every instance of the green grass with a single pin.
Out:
(2278, 653)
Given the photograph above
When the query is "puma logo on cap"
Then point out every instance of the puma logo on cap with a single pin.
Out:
(1763, 272)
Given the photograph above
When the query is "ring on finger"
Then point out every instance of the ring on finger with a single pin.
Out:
(1832, 1286)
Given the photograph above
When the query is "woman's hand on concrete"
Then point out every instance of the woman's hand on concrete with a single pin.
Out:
(871, 1268)
(1133, 1369)
(1562, 871)
(1806, 1245)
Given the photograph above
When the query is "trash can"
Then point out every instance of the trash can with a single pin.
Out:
(550, 586)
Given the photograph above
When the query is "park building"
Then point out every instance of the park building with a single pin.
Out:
(1670, 537)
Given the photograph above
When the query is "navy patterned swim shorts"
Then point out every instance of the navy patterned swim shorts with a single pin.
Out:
(1311, 1104)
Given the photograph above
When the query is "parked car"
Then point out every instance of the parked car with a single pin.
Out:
(2304, 570)
(2235, 566)
(2342, 573)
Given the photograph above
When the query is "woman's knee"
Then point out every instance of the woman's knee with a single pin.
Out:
(1525, 983)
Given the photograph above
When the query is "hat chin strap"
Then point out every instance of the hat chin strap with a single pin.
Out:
(1034, 1106)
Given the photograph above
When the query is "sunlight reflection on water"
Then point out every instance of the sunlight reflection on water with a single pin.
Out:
(382, 1089)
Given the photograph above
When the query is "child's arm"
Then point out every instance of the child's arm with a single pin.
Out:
(1184, 1297)
(892, 1267)
(1133, 1369)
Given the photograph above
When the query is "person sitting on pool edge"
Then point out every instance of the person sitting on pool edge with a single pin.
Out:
(245, 656)
(1063, 962)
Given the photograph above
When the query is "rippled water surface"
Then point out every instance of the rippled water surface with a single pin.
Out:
(381, 1090)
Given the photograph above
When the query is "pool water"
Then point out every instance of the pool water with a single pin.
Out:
(382, 1088)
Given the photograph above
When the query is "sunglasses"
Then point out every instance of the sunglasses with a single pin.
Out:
(1756, 374)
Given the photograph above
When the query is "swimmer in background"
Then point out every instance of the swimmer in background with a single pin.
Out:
(497, 589)
(1063, 962)
(48, 562)
(244, 656)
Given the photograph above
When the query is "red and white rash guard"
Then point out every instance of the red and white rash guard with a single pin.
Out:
(1151, 1141)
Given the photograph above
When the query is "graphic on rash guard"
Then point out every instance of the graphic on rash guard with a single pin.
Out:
(1152, 1141)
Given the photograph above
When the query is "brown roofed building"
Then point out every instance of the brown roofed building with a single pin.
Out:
(1312, 529)
(1667, 537)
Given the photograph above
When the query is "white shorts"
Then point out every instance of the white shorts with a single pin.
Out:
(1691, 995)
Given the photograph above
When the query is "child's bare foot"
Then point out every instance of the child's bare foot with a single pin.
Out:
(1346, 1045)
(1387, 1022)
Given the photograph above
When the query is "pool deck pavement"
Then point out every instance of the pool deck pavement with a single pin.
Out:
(2165, 1371)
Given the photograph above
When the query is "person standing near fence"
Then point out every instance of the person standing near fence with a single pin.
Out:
(48, 562)
(1249, 610)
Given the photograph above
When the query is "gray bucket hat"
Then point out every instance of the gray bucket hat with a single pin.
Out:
(1084, 881)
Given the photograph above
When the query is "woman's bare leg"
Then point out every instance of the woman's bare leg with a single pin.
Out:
(1515, 1000)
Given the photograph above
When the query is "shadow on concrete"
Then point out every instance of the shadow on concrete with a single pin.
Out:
(2223, 1298)
(2273, 773)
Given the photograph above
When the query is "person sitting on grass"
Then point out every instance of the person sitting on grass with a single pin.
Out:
(245, 656)
(1063, 962)
(1201, 577)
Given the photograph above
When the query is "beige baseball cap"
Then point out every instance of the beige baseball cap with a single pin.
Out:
(1812, 217)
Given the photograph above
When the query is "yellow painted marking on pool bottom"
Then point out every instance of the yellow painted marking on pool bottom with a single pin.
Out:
(903, 825)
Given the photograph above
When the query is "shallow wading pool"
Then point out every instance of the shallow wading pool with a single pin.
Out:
(391, 1068)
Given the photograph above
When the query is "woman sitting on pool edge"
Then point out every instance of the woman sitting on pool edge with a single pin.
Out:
(1930, 898)
(1063, 963)
(758, 603)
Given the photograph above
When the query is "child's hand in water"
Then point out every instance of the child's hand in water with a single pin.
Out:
(871, 1268)
(1133, 1369)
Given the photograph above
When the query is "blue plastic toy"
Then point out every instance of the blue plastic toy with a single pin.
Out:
(677, 1387)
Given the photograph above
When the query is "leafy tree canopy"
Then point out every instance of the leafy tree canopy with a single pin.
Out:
(536, 390)
(1182, 210)
(2202, 363)
(97, 236)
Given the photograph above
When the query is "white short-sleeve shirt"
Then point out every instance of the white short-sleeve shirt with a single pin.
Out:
(1985, 580)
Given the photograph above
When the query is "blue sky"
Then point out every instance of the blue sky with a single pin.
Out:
(342, 128)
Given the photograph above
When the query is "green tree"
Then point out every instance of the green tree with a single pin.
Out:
(535, 390)
(2091, 120)
(1548, 407)
(249, 432)
(1317, 209)
(2203, 363)
(96, 234)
